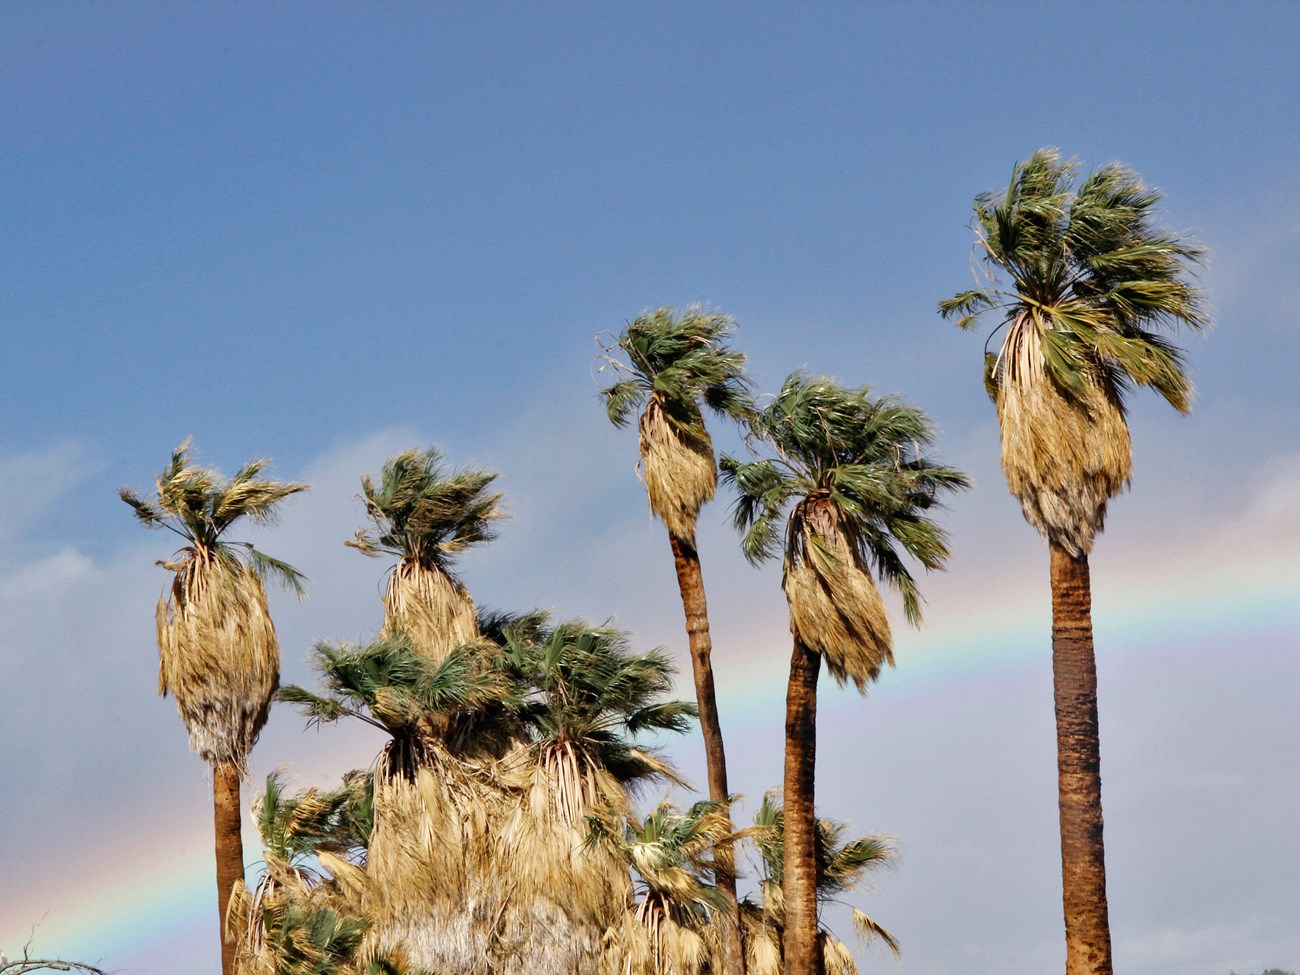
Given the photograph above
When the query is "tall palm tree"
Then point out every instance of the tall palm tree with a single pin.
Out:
(1091, 280)
(218, 651)
(842, 865)
(676, 366)
(425, 515)
(850, 470)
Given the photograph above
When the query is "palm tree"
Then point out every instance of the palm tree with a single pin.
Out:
(851, 471)
(669, 927)
(842, 866)
(298, 921)
(1091, 279)
(587, 696)
(676, 366)
(425, 515)
(431, 862)
(218, 652)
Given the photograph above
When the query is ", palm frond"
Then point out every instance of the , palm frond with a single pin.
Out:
(841, 866)
(218, 654)
(1092, 281)
(425, 515)
(864, 485)
(676, 367)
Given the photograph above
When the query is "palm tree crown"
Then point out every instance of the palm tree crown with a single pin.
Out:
(218, 652)
(855, 465)
(1092, 281)
(676, 366)
(425, 515)
(586, 695)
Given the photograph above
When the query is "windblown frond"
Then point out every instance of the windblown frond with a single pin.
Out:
(856, 465)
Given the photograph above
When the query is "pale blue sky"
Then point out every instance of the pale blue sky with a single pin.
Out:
(323, 232)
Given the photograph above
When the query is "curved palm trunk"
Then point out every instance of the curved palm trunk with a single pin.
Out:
(799, 885)
(229, 849)
(691, 583)
(1074, 672)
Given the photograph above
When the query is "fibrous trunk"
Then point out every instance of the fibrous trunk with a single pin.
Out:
(433, 610)
(1083, 862)
(218, 655)
(229, 848)
(690, 581)
(801, 948)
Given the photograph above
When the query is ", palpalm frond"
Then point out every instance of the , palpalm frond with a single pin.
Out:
(841, 866)
(426, 514)
(1092, 280)
(218, 654)
(857, 465)
(676, 367)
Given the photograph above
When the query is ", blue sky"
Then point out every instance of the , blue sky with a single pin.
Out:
(324, 233)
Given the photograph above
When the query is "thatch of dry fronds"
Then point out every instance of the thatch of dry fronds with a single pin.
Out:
(835, 607)
(432, 880)
(654, 939)
(565, 893)
(680, 471)
(219, 657)
(433, 610)
(1064, 456)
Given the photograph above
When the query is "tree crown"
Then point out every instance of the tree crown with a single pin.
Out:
(1092, 272)
(424, 513)
(684, 362)
(861, 454)
(200, 506)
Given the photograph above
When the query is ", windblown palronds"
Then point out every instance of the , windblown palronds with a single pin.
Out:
(680, 472)
(1064, 454)
(432, 608)
(218, 655)
(835, 607)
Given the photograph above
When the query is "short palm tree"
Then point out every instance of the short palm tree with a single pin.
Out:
(430, 853)
(219, 657)
(298, 922)
(670, 926)
(676, 366)
(849, 469)
(425, 515)
(587, 697)
(1091, 280)
(842, 865)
